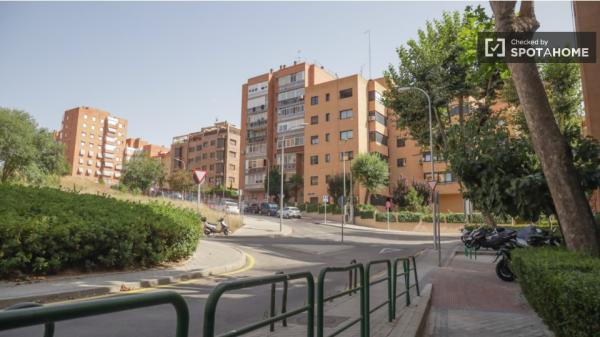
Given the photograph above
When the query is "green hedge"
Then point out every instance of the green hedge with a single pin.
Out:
(408, 217)
(563, 287)
(383, 217)
(44, 231)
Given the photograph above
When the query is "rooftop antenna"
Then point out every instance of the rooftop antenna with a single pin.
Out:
(299, 55)
(368, 31)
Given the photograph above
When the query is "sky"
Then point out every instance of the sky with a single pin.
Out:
(173, 68)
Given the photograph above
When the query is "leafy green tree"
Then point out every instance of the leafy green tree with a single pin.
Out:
(335, 186)
(370, 171)
(415, 201)
(400, 192)
(182, 181)
(142, 172)
(274, 185)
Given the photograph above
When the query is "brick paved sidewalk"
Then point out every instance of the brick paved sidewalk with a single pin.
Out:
(470, 300)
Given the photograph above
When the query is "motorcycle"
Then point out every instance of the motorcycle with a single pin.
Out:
(210, 229)
(530, 236)
(487, 238)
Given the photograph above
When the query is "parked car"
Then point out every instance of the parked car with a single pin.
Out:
(231, 207)
(252, 209)
(290, 212)
(268, 209)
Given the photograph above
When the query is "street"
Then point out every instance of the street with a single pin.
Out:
(310, 247)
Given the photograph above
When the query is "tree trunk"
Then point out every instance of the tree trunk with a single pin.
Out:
(367, 198)
(574, 212)
(489, 219)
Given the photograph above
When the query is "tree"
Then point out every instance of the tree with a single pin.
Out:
(142, 172)
(399, 193)
(295, 184)
(274, 185)
(572, 208)
(26, 152)
(181, 181)
(371, 171)
(423, 190)
(335, 186)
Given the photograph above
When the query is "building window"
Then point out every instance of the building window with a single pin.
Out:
(400, 142)
(346, 93)
(349, 155)
(327, 117)
(327, 136)
(212, 142)
(314, 180)
(377, 137)
(232, 154)
(198, 147)
(345, 135)
(314, 140)
(345, 114)
(327, 178)
(232, 166)
(427, 157)
(232, 142)
(401, 162)
(221, 143)
(378, 117)
(314, 100)
(327, 157)
(314, 120)
(327, 97)
(314, 160)
(375, 96)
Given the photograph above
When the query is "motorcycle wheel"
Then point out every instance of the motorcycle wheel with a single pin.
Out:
(503, 271)
(226, 232)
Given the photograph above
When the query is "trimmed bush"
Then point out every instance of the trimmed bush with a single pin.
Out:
(427, 217)
(454, 217)
(563, 287)
(408, 217)
(302, 207)
(44, 231)
(383, 217)
(312, 208)
(367, 214)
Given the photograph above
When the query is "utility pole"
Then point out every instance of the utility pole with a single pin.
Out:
(368, 32)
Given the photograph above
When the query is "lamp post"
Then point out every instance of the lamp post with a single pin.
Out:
(299, 126)
(403, 90)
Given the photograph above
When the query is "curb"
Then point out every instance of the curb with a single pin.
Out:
(372, 229)
(125, 287)
(412, 323)
(286, 231)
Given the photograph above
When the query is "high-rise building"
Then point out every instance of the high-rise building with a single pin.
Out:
(94, 143)
(214, 149)
(338, 119)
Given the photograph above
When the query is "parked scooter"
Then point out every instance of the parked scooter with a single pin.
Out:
(210, 229)
(530, 236)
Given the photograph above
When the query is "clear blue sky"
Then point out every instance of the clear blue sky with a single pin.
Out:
(172, 68)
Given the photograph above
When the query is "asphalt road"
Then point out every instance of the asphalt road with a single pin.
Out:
(311, 247)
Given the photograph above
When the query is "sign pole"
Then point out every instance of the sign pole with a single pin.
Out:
(325, 205)
(388, 219)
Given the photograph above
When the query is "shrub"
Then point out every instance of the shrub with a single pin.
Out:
(454, 217)
(302, 207)
(428, 217)
(383, 217)
(408, 216)
(562, 287)
(367, 214)
(44, 231)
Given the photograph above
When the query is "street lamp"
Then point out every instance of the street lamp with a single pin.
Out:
(296, 127)
(406, 89)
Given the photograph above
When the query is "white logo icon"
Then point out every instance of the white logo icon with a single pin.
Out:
(495, 47)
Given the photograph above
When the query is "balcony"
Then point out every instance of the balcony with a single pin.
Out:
(111, 130)
(112, 121)
(257, 109)
(257, 186)
(260, 124)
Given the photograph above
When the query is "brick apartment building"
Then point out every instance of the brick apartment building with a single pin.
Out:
(215, 149)
(343, 117)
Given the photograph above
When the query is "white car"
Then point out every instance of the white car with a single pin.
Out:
(290, 212)
(231, 207)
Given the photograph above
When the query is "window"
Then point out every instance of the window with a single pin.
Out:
(212, 142)
(346, 93)
(378, 117)
(327, 117)
(314, 160)
(345, 135)
(345, 114)
(327, 178)
(211, 167)
(377, 137)
(400, 142)
(232, 142)
(427, 157)
(232, 166)
(192, 149)
(375, 96)
(212, 154)
(327, 97)
(327, 157)
(327, 136)
(314, 180)
(221, 143)
(198, 147)
(314, 140)
(232, 154)
(401, 162)
(348, 155)
(314, 120)
(314, 100)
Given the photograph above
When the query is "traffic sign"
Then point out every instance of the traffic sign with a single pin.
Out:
(432, 184)
(388, 204)
(199, 176)
(326, 199)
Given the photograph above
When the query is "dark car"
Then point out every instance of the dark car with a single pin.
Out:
(252, 209)
(268, 209)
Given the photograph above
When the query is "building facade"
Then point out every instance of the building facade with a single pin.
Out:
(214, 149)
(94, 143)
(341, 118)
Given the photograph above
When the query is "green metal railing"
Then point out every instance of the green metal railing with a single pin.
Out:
(12, 319)
(220, 289)
(283, 301)
(48, 327)
(414, 268)
(406, 273)
(321, 299)
(369, 283)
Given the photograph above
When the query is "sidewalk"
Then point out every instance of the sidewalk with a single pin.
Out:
(210, 258)
(262, 226)
(470, 300)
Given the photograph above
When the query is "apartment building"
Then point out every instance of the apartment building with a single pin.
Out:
(94, 143)
(273, 112)
(215, 149)
(151, 150)
(342, 117)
